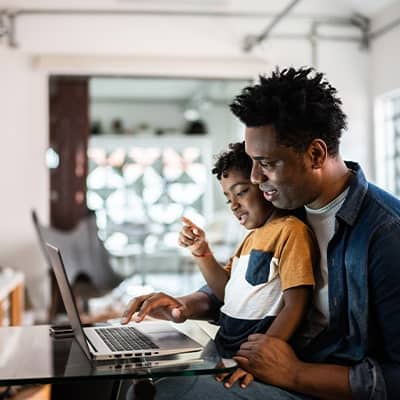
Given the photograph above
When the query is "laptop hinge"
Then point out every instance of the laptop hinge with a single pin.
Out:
(91, 344)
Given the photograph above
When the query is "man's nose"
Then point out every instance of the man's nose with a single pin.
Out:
(256, 176)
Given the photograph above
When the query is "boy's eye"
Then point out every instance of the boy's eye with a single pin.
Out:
(242, 192)
(233, 196)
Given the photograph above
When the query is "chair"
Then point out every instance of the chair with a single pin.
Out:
(86, 260)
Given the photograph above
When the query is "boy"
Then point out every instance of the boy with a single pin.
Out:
(267, 285)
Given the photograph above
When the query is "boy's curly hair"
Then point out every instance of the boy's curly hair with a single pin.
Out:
(299, 103)
(233, 159)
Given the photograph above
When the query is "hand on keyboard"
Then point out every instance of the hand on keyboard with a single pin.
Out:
(157, 305)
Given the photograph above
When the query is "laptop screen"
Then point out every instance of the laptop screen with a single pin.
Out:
(67, 296)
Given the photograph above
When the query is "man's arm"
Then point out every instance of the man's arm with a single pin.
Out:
(384, 278)
(198, 305)
(324, 381)
(273, 361)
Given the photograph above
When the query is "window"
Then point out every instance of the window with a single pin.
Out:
(388, 143)
(140, 188)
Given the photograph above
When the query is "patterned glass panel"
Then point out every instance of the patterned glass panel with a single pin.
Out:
(140, 189)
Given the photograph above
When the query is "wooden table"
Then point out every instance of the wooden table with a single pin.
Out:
(11, 297)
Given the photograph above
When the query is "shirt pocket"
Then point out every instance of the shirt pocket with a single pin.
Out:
(258, 268)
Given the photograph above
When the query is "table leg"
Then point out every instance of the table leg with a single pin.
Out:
(143, 389)
(116, 389)
(16, 305)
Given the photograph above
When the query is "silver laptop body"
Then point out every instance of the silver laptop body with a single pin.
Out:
(136, 340)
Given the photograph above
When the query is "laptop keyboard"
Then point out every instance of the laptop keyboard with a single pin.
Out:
(125, 339)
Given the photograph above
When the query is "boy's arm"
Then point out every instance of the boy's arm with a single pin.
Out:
(296, 302)
(214, 274)
(296, 260)
(194, 238)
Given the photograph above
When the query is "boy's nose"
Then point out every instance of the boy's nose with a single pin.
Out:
(235, 205)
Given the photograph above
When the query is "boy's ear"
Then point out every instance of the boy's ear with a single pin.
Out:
(318, 152)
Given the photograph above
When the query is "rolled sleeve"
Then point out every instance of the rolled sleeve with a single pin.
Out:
(367, 381)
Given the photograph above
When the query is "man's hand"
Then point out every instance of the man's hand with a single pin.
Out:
(269, 359)
(156, 305)
(229, 379)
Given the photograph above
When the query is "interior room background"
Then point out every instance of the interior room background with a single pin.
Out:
(179, 40)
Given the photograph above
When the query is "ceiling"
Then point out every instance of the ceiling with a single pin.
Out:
(326, 7)
(181, 90)
(185, 90)
(369, 7)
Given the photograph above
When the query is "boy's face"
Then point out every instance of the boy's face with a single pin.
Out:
(246, 200)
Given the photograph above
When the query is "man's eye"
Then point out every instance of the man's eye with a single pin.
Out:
(267, 164)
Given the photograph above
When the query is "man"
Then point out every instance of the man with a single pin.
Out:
(350, 347)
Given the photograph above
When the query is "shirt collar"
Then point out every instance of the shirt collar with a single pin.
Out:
(358, 187)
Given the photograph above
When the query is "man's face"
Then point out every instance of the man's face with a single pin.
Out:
(285, 176)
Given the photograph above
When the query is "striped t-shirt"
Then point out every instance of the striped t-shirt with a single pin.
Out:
(275, 257)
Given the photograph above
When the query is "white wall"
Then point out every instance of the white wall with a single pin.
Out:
(385, 78)
(145, 46)
(385, 55)
(23, 173)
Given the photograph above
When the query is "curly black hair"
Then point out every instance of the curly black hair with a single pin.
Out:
(299, 103)
(235, 158)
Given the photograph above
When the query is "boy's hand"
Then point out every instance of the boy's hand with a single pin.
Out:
(193, 237)
(229, 379)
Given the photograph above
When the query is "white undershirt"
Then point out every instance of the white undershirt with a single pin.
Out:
(324, 225)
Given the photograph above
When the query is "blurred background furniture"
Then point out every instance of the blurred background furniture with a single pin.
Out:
(11, 297)
(11, 314)
(86, 260)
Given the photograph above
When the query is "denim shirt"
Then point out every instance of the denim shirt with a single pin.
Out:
(364, 292)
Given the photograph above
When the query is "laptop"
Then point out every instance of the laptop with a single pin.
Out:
(135, 340)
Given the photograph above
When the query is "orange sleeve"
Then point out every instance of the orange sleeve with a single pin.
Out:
(298, 255)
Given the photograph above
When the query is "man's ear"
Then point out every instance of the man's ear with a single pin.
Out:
(318, 152)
